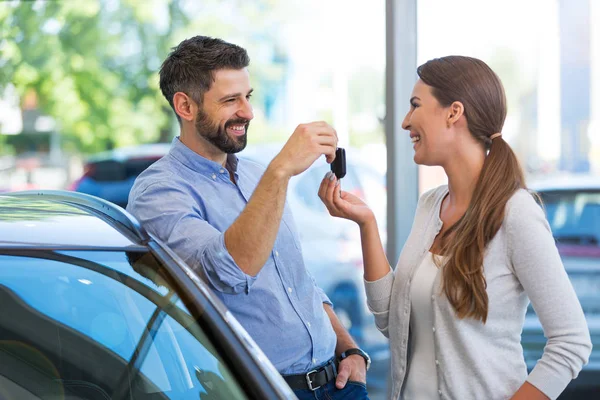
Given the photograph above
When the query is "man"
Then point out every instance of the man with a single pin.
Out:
(227, 218)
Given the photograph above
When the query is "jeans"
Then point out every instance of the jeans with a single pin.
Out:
(352, 391)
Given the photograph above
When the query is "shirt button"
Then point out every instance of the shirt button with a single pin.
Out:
(433, 328)
(290, 290)
(437, 362)
(222, 171)
(314, 361)
(308, 324)
(214, 176)
(432, 297)
(276, 253)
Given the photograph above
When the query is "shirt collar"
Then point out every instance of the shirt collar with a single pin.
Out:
(196, 162)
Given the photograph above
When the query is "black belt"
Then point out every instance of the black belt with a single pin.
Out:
(314, 379)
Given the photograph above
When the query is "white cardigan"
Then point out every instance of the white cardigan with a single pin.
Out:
(485, 361)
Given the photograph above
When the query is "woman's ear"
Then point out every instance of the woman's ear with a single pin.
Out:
(185, 106)
(455, 111)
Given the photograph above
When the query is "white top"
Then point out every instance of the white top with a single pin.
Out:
(421, 378)
(485, 361)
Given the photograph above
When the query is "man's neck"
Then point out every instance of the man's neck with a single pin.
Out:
(203, 148)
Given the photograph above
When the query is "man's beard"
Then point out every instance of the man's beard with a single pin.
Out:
(217, 135)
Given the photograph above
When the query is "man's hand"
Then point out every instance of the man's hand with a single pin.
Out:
(307, 143)
(351, 368)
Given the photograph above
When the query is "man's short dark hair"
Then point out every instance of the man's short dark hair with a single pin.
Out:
(190, 66)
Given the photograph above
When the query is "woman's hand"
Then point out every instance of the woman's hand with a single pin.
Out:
(343, 204)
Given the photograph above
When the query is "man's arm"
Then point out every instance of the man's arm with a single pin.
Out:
(250, 238)
(352, 367)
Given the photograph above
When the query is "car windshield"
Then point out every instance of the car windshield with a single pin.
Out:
(574, 216)
(101, 325)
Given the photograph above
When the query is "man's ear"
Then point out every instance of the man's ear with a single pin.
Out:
(185, 106)
(455, 111)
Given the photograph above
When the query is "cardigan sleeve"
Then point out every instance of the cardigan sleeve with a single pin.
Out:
(538, 266)
(379, 292)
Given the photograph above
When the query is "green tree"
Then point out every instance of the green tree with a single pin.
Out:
(93, 63)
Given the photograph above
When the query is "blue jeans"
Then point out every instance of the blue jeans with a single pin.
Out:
(352, 391)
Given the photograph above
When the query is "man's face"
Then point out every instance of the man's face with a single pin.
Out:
(225, 114)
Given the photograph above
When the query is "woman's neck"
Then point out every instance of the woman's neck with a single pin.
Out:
(463, 173)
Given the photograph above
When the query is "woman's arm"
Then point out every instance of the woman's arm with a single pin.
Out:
(378, 274)
(345, 205)
(537, 264)
(374, 258)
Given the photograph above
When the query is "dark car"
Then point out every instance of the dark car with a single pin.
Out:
(572, 206)
(110, 175)
(95, 308)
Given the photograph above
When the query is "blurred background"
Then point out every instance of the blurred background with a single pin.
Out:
(80, 109)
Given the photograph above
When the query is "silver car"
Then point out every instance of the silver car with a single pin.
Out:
(95, 308)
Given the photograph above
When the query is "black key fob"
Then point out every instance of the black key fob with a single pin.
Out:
(338, 166)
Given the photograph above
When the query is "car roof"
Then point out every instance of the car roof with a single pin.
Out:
(66, 220)
(566, 182)
(126, 153)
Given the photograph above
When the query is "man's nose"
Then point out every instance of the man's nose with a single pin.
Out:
(246, 111)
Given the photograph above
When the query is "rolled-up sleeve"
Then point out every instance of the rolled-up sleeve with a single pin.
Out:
(172, 216)
(539, 268)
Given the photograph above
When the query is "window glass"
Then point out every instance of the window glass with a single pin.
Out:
(574, 216)
(102, 325)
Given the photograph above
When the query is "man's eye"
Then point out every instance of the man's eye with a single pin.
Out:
(229, 100)
(248, 97)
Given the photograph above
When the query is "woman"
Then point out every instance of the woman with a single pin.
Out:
(480, 248)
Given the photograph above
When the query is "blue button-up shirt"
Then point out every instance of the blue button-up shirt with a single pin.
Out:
(189, 202)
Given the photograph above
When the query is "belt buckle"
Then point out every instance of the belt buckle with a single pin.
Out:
(309, 382)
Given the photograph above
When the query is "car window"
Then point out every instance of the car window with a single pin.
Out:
(101, 325)
(574, 216)
(106, 171)
(136, 166)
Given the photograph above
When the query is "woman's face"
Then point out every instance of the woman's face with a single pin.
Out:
(427, 122)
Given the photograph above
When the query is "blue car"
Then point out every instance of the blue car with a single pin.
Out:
(110, 175)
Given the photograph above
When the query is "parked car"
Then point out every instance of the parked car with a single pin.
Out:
(95, 308)
(331, 247)
(572, 206)
(110, 175)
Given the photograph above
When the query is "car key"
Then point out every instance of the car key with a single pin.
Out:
(338, 166)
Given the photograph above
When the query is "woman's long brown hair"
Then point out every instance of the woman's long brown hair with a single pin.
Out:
(471, 82)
